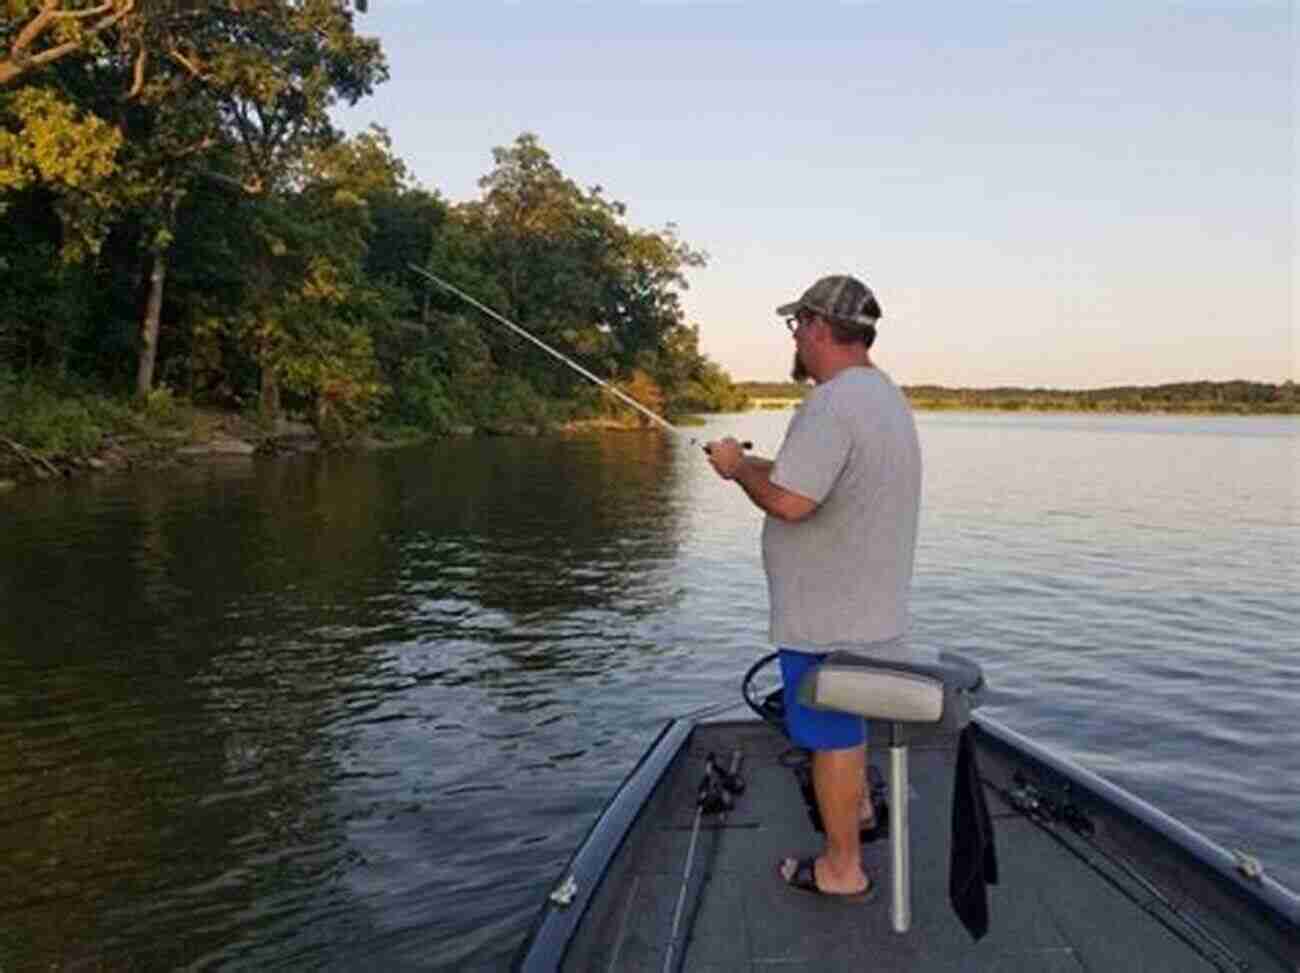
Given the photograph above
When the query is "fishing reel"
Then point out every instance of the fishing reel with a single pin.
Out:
(718, 788)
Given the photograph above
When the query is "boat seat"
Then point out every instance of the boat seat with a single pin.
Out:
(921, 697)
(912, 700)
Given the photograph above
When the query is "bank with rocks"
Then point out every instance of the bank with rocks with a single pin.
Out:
(214, 437)
(206, 437)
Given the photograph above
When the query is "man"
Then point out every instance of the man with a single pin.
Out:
(842, 499)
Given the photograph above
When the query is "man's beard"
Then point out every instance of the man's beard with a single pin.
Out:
(797, 371)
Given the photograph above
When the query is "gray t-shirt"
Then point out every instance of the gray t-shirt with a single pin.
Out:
(840, 577)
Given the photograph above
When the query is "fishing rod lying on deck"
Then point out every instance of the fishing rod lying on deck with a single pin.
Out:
(611, 389)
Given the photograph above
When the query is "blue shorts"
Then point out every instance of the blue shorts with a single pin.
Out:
(815, 729)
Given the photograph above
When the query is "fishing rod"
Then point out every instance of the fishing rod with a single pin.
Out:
(717, 794)
(611, 389)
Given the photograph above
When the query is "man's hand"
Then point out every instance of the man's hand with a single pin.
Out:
(726, 456)
(754, 476)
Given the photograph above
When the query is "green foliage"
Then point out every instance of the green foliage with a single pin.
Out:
(285, 251)
(179, 204)
(47, 140)
(639, 387)
(36, 33)
(562, 263)
(161, 408)
(423, 400)
(710, 391)
(403, 225)
(52, 415)
(507, 404)
(47, 306)
(772, 390)
(276, 69)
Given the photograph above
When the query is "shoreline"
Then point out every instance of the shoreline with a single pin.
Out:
(225, 436)
(1235, 397)
(1074, 409)
(1102, 408)
(1199, 409)
(217, 436)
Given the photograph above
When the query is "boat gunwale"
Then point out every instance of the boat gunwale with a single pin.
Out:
(554, 927)
(1265, 899)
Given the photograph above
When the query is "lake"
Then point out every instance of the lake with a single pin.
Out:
(357, 711)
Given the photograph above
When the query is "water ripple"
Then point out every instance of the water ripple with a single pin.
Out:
(358, 711)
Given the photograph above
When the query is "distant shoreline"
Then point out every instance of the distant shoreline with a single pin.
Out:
(1180, 398)
(1188, 410)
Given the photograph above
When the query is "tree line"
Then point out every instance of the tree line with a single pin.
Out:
(1233, 397)
(1239, 397)
(180, 217)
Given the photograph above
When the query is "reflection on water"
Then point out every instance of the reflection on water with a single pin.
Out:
(247, 708)
(344, 710)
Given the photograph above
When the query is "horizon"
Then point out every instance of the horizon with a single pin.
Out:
(1059, 198)
(1046, 388)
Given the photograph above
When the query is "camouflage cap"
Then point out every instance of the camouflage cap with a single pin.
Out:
(840, 297)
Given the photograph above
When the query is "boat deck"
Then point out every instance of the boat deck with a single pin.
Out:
(1051, 912)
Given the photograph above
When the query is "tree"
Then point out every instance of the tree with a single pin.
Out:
(547, 242)
(174, 135)
(327, 350)
(642, 307)
(265, 79)
(310, 320)
(198, 75)
(403, 227)
(49, 141)
(274, 72)
(40, 32)
(571, 271)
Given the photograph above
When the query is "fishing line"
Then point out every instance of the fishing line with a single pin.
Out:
(611, 389)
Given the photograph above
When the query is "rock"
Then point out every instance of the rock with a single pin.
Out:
(462, 430)
(288, 429)
(6, 485)
(221, 446)
(512, 429)
(231, 447)
(96, 464)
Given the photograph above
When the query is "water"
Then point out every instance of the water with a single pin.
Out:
(355, 712)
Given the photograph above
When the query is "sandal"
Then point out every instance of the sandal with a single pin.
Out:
(804, 879)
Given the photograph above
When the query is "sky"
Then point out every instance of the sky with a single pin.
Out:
(1040, 194)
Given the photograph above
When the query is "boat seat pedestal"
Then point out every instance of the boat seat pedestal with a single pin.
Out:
(913, 700)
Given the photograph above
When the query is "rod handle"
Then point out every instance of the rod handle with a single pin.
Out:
(746, 445)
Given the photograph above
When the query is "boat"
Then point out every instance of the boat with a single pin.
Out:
(678, 870)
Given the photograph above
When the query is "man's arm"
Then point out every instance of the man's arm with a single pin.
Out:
(754, 474)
